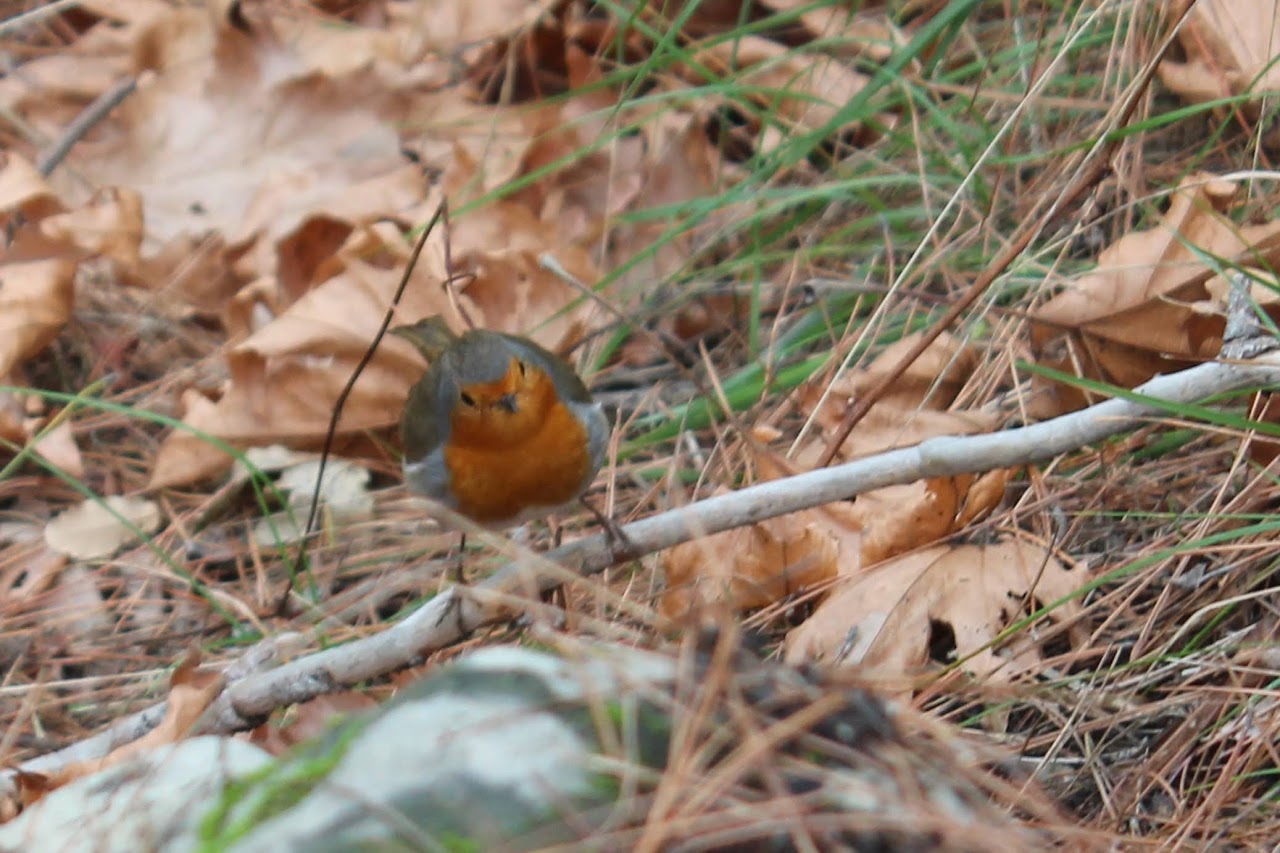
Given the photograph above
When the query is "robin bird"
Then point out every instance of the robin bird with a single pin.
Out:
(499, 429)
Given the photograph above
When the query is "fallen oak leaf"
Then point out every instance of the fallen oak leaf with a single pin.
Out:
(1141, 310)
(889, 619)
(1229, 48)
(752, 566)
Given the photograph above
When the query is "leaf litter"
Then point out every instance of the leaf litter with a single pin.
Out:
(256, 193)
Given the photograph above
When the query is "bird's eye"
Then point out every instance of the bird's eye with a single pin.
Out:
(467, 399)
(523, 368)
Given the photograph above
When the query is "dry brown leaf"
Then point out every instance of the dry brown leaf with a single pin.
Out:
(108, 225)
(31, 789)
(1140, 311)
(444, 24)
(804, 90)
(184, 457)
(35, 303)
(248, 134)
(752, 566)
(887, 619)
(12, 412)
(51, 90)
(58, 446)
(846, 29)
(679, 165)
(93, 531)
(930, 383)
(897, 519)
(1230, 49)
(24, 191)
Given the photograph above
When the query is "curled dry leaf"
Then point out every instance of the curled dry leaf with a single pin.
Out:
(98, 528)
(344, 495)
(1230, 50)
(246, 133)
(890, 619)
(108, 225)
(897, 519)
(35, 303)
(757, 565)
(1140, 312)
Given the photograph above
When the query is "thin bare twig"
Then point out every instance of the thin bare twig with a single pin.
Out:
(454, 614)
(35, 16)
(90, 116)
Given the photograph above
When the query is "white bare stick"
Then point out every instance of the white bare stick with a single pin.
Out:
(454, 614)
(457, 612)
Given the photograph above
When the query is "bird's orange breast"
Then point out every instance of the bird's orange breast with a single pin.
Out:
(546, 469)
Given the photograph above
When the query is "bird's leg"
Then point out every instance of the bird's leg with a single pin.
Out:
(611, 528)
(456, 573)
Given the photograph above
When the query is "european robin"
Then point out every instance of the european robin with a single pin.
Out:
(499, 429)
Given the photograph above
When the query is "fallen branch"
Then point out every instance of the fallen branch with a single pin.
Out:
(83, 123)
(459, 611)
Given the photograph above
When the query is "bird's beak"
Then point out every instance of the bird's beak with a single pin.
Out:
(508, 402)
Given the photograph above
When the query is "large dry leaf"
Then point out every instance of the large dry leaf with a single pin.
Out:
(109, 225)
(1230, 48)
(757, 565)
(753, 566)
(1140, 311)
(24, 191)
(97, 529)
(928, 385)
(35, 303)
(246, 134)
(897, 519)
(888, 619)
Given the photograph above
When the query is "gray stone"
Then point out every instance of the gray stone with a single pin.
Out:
(152, 802)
